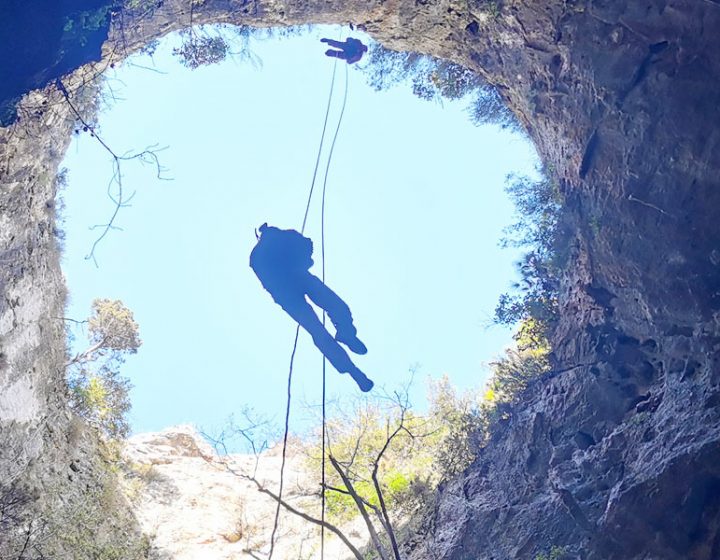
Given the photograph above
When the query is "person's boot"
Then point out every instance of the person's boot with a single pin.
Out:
(361, 379)
(351, 341)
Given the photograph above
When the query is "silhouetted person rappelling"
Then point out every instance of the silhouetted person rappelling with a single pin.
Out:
(281, 260)
(351, 50)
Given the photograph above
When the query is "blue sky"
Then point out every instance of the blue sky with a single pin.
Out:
(415, 210)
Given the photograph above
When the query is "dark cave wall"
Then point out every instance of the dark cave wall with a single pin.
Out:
(44, 41)
(614, 455)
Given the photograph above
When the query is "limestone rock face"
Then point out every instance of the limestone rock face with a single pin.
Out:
(196, 505)
(613, 456)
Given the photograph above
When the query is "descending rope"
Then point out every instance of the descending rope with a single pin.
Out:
(297, 330)
(322, 139)
(284, 449)
(324, 368)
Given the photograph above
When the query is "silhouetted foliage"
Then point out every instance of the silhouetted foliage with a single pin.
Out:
(198, 51)
(535, 298)
(489, 108)
(57, 208)
(436, 79)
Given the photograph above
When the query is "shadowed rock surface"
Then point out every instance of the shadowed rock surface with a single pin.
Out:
(615, 455)
(44, 41)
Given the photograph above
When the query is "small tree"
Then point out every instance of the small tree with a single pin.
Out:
(98, 392)
(199, 48)
(383, 462)
(460, 427)
(534, 300)
(113, 327)
(513, 371)
(437, 79)
(379, 462)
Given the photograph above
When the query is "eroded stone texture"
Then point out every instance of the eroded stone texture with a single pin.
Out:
(615, 455)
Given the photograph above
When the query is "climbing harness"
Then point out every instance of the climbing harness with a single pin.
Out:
(297, 330)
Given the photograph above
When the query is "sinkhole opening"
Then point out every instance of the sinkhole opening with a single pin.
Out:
(228, 123)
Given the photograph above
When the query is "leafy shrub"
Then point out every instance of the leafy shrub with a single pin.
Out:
(356, 441)
(98, 526)
(437, 79)
(460, 424)
(513, 371)
(425, 450)
(103, 400)
(534, 300)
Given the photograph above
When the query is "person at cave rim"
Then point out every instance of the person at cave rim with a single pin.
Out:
(281, 260)
(351, 50)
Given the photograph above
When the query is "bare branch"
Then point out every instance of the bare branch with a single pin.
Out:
(361, 508)
(143, 67)
(283, 503)
(306, 517)
(148, 155)
(84, 321)
(85, 356)
(383, 507)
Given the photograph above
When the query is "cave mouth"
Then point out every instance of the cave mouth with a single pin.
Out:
(415, 205)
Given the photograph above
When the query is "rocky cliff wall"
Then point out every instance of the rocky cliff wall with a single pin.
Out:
(56, 491)
(615, 454)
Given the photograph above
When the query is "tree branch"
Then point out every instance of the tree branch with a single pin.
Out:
(291, 509)
(387, 524)
(376, 510)
(376, 483)
(306, 517)
(87, 353)
(148, 155)
(84, 321)
(361, 508)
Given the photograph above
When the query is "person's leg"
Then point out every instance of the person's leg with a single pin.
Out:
(303, 313)
(333, 54)
(334, 43)
(338, 311)
(333, 304)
